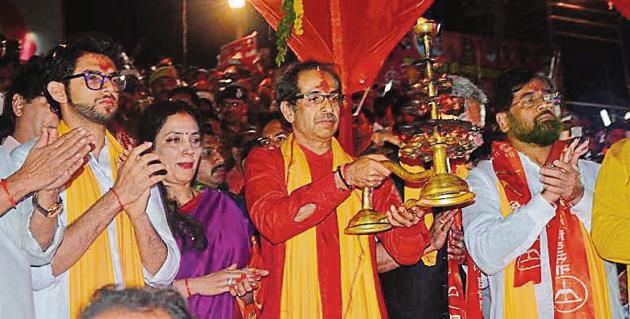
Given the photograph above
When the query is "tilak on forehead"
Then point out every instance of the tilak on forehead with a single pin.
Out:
(104, 65)
(103, 62)
(538, 85)
(323, 84)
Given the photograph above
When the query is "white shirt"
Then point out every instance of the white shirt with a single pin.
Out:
(52, 295)
(10, 143)
(18, 251)
(494, 241)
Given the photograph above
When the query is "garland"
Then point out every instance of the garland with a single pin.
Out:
(293, 11)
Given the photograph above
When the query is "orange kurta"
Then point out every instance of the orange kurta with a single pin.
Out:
(272, 211)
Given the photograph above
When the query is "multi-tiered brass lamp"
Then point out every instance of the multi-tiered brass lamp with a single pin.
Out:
(436, 140)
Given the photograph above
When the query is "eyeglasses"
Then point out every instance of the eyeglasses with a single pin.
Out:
(316, 98)
(266, 141)
(551, 97)
(96, 80)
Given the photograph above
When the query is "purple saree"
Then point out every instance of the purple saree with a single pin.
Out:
(228, 232)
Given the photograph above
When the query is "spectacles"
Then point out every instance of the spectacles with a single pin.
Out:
(266, 141)
(316, 98)
(95, 80)
(552, 97)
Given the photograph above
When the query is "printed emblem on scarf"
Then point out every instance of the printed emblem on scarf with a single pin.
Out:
(529, 260)
(452, 291)
(571, 293)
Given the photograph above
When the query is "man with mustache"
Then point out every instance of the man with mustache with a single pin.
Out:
(116, 232)
(212, 168)
(301, 197)
(529, 228)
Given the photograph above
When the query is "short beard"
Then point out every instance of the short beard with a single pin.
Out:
(90, 113)
(542, 134)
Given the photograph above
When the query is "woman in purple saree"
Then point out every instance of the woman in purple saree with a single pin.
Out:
(213, 234)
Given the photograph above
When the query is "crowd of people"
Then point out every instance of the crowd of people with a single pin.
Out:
(226, 193)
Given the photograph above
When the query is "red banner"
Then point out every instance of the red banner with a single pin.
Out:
(243, 51)
(623, 6)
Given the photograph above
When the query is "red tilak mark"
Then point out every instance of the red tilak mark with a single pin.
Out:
(105, 65)
(537, 86)
(323, 85)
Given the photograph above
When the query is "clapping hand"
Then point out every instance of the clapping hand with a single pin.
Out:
(561, 179)
(54, 160)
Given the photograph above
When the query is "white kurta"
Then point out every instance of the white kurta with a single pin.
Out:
(18, 251)
(52, 294)
(494, 241)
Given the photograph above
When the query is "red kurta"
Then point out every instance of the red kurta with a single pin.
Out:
(272, 211)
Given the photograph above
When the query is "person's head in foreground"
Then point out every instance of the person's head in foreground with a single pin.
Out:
(136, 303)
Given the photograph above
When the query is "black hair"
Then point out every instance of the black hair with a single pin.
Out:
(62, 60)
(287, 81)
(183, 225)
(187, 90)
(508, 83)
(266, 118)
(28, 84)
(369, 115)
(137, 300)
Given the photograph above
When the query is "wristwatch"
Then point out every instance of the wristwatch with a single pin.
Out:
(52, 211)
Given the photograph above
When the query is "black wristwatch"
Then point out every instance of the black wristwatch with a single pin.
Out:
(52, 211)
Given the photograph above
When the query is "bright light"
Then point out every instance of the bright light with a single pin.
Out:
(626, 116)
(236, 4)
(388, 87)
(605, 117)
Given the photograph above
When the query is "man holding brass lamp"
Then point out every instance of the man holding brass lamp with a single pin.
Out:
(301, 197)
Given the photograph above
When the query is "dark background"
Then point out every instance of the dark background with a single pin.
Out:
(593, 70)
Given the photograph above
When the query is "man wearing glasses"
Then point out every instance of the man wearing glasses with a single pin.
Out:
(273, 131)
(529, 228)
(302, 195)
(116, 232)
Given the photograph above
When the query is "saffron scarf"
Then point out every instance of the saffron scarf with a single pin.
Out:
(94, 268)
(464, 304)
(300, 297)
(578, 276)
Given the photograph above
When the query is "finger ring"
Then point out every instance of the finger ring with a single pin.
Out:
(230, 282)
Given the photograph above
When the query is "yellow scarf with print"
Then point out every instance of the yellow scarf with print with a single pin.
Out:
(300, 296)
(94, 269)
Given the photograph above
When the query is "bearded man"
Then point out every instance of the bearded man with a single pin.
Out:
(117, 233)
(529, 229)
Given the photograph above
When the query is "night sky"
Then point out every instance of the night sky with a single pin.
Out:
(149, 29)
